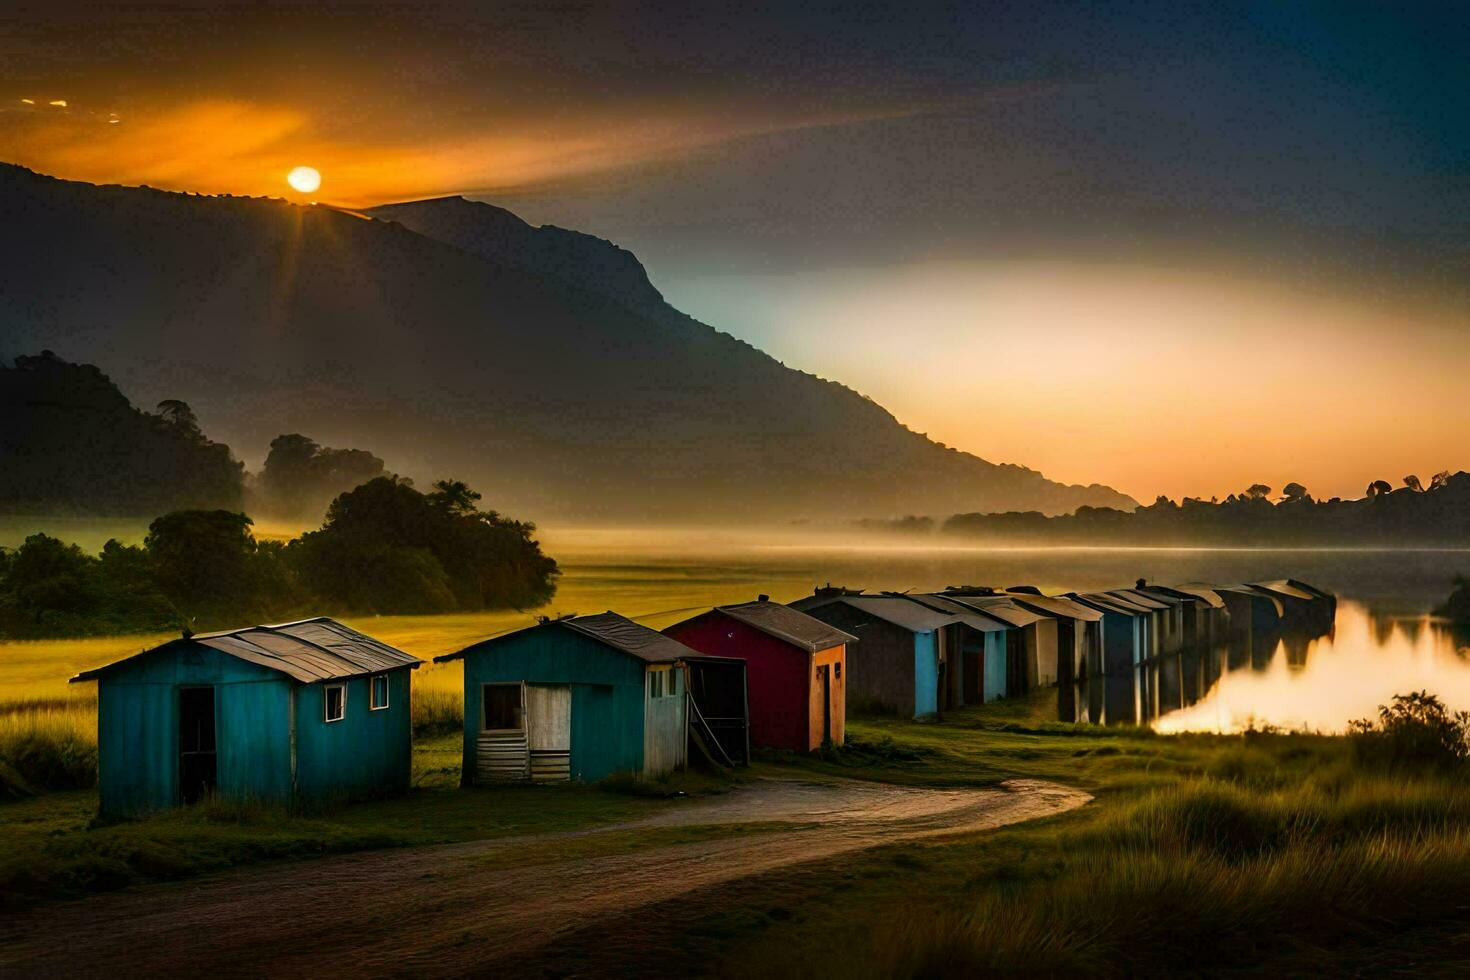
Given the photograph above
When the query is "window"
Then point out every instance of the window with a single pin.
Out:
(334, 701)
(663, 683)
(501, 704)
(377, 692)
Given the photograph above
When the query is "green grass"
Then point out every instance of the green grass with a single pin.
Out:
(54, 850)
(1259, 853)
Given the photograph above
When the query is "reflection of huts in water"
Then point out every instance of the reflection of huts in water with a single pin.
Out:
(300, 712)
(1034, 664)
(1079, 652)
(1127, 644)
(897, 661)
(975, 648)
(1206, 632)
(577, 698)
(797, 666)
(1162, 672)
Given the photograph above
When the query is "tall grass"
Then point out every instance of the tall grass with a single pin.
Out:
(51, 743)
(437, 710)
(1213, 873)
(47, 744)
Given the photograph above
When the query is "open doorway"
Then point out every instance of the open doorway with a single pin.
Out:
(198, 772)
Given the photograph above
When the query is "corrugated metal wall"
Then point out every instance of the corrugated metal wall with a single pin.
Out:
(364, 754)
(926, 673)
(665, 732)
(607, 695)
(138, 729)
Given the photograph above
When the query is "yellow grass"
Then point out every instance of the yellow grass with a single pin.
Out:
(660, 594)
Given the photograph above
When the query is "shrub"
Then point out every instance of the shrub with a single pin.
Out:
(48, 745)
(1417, 731)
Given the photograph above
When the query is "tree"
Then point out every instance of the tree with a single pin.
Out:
(1439, 479)
(300, 476)
(47, 580)
(1293, 491)
(1258, 491)
(455, 497)
(201, 561)
(387, 548)
(1412, 482)
(1378, 488)
(178, 413)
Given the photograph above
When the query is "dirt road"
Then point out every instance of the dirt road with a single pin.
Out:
(458, 908)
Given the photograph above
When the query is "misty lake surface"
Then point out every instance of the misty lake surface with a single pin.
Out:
(1385, 642)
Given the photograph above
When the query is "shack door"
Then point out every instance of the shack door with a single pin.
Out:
(198, 771)
(500, 750)
(824, 683)
(549, 732)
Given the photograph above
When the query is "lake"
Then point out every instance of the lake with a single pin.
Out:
(1384, 643)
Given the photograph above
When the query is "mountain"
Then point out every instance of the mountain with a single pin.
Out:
(72, 442)
(453, 339)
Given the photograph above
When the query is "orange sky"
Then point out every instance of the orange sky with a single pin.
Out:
(788, 172)
(1147, 378)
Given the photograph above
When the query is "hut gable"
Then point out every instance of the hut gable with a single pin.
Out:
(795, 666)
(307, 651)
(308, 710)
(788, 625)
(577, 698)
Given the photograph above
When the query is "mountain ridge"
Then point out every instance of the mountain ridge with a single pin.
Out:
(540, 363)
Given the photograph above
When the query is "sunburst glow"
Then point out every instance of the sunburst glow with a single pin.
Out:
(304, 179)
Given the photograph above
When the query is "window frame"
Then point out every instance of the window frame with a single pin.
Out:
(327, 702)
(373, 680)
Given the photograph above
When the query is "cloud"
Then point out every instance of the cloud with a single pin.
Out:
(243, 147)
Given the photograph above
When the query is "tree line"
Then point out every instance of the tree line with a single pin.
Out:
(1411, 514)
(385, 548)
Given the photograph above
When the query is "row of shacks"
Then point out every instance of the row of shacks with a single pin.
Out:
(315, 711)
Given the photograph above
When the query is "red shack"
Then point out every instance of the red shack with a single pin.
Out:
(795, 665)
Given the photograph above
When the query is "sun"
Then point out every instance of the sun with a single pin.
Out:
(304, 179)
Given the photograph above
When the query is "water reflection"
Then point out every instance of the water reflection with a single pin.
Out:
(1320, 684)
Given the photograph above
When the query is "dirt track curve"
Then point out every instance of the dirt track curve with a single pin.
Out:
(455, 909)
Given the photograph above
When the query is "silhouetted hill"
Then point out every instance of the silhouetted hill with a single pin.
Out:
(71, 441)
(569, 257)
(538, 364)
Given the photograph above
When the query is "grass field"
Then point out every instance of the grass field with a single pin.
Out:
(1259, 852)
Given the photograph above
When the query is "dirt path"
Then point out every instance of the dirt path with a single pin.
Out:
(454, 909)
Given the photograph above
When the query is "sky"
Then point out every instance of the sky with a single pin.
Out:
(1176, 248)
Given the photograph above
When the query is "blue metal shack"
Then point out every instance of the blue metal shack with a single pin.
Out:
(578, 698)
(299, 712)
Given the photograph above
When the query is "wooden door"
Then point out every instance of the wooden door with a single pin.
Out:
(549, 731)
(500, 750)
(824, 678)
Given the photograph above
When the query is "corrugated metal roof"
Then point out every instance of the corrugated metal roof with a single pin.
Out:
(1204, 592)
(610, 629)
(1109, 603)
(1056, 605)
(1246, 590)
(1144, 599)
(634, 639)
(1283, 587)
(1002, 608)
(788, 625)
(309, 650)
(900, 612)
(965, 614)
